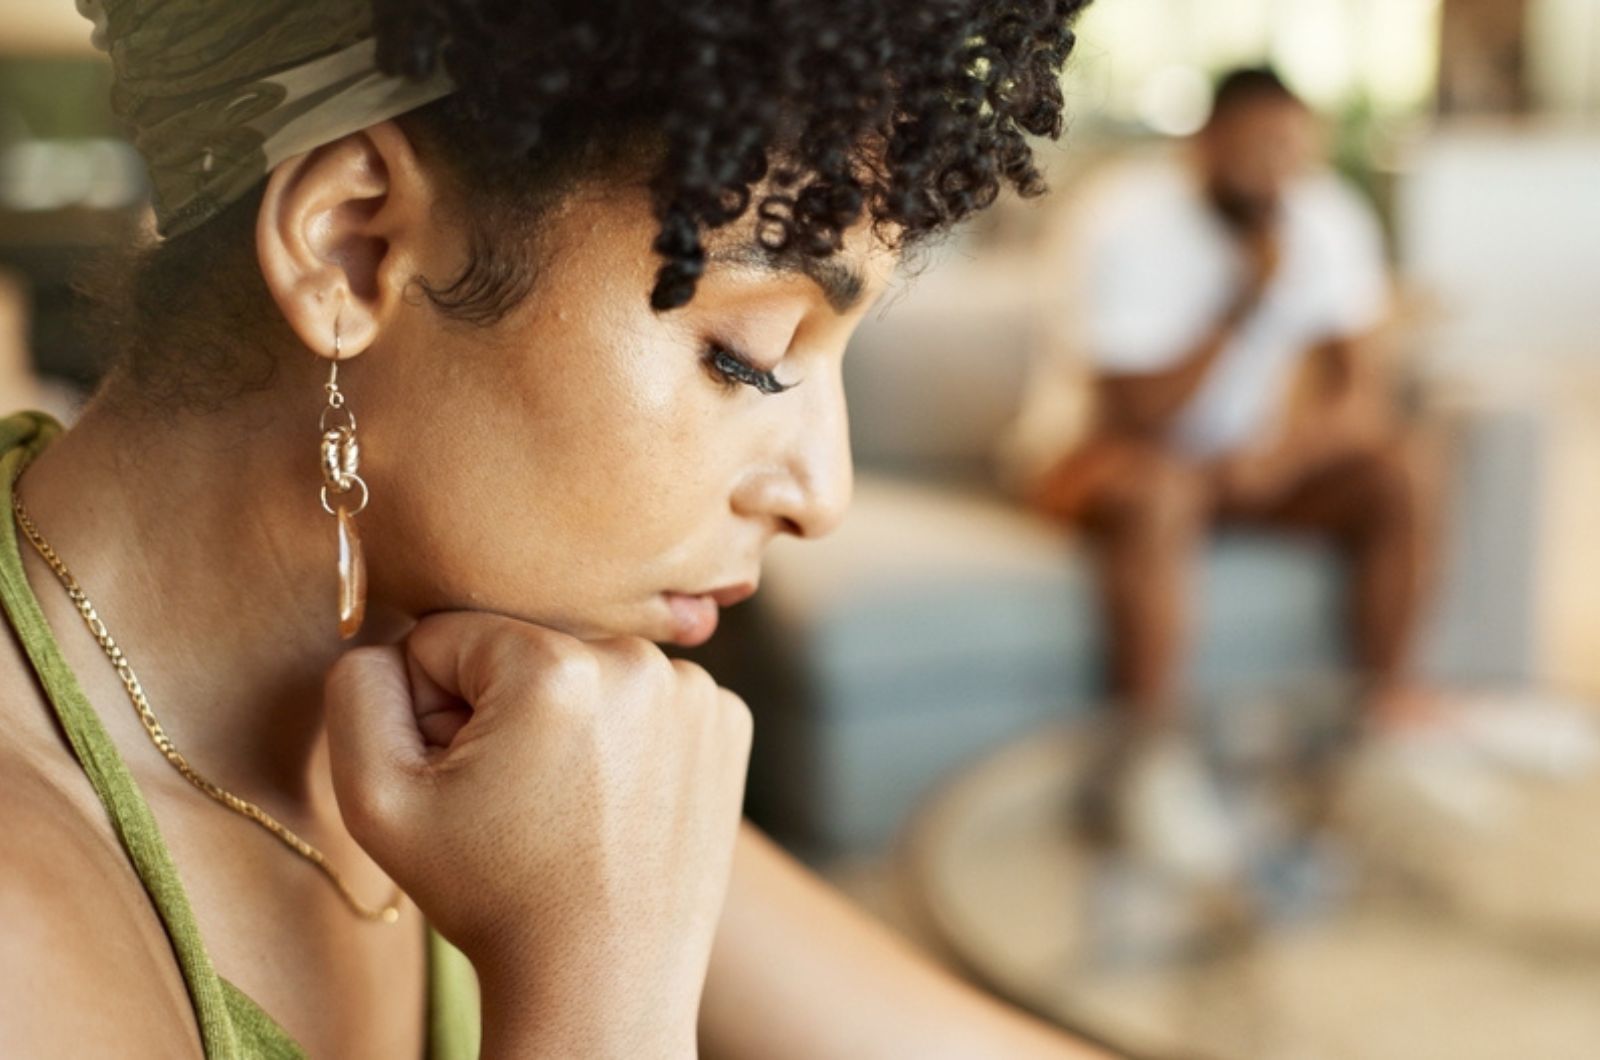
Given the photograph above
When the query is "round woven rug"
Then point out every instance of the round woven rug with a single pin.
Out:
(1466, 944)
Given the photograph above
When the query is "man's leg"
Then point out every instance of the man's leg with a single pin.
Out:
(1377, 502)
(1145, 512)
(1145, 792)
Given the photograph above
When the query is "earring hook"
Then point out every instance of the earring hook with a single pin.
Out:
(332, 385)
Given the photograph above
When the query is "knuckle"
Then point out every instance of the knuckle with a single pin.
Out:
(640, 663)
(692, 676)
(532, 643)
(635, 652)
(372, 810)
(545, 663)
(736, 713)
(569, 673)
(508, 654)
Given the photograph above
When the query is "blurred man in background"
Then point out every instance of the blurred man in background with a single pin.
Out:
(1225, 305)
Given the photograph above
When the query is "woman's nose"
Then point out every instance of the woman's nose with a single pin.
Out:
(805, 489)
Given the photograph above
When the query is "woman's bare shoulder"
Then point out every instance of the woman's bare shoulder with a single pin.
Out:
(85, 966)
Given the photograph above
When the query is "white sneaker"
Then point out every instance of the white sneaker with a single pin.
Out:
(1531, 732)
(1433, 776)
(1172, 819)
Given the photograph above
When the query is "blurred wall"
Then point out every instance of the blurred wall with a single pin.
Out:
(44, 27)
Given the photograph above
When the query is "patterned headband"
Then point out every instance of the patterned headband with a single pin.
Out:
(215, 93)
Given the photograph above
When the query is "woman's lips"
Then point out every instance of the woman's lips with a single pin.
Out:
(733, 594)
(695, 615)
(694, 618)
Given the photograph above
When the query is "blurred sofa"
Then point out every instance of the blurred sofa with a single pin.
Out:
(942, 620)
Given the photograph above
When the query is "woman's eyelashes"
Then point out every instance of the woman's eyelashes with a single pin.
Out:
(734, 369)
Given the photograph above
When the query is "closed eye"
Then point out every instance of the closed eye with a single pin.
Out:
(735, 369)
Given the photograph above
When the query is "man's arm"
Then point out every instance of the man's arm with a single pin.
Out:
(1343, 403)
(1143, 405)
(798, 973)
(1351, 394)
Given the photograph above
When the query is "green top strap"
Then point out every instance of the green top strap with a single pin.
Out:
(232, 1026)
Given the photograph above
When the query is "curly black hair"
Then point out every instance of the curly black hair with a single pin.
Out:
(816, 114)
(914, 113)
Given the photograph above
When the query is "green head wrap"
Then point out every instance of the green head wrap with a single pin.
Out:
(215, 93)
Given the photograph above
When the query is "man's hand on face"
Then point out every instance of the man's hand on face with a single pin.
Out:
(1263, 256)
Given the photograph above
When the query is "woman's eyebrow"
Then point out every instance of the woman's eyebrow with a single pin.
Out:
(840, 284)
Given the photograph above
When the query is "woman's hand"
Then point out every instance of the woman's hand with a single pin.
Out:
(563, 811)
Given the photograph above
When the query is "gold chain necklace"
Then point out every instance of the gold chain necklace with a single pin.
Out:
(389, 913)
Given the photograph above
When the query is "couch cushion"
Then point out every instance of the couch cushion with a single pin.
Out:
(929, 588)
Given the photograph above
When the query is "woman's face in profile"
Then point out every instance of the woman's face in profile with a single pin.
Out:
(593, 465)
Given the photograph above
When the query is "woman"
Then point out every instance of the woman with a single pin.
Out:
(564, 288)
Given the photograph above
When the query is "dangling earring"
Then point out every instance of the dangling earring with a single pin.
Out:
(341, 457)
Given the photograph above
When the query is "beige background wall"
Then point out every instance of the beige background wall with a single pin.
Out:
(43, 27)
(1571, 570)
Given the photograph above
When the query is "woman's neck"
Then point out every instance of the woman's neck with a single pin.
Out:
(203, 548)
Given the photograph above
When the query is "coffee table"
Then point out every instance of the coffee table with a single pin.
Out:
(1467, 943)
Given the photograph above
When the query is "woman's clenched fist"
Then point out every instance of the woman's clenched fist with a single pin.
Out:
(564, 811)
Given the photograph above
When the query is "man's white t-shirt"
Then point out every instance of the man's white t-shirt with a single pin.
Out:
(1154, 269)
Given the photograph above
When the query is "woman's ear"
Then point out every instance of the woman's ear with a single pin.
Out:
(337, 236)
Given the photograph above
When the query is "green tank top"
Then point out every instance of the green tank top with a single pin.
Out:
(232, 1026)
